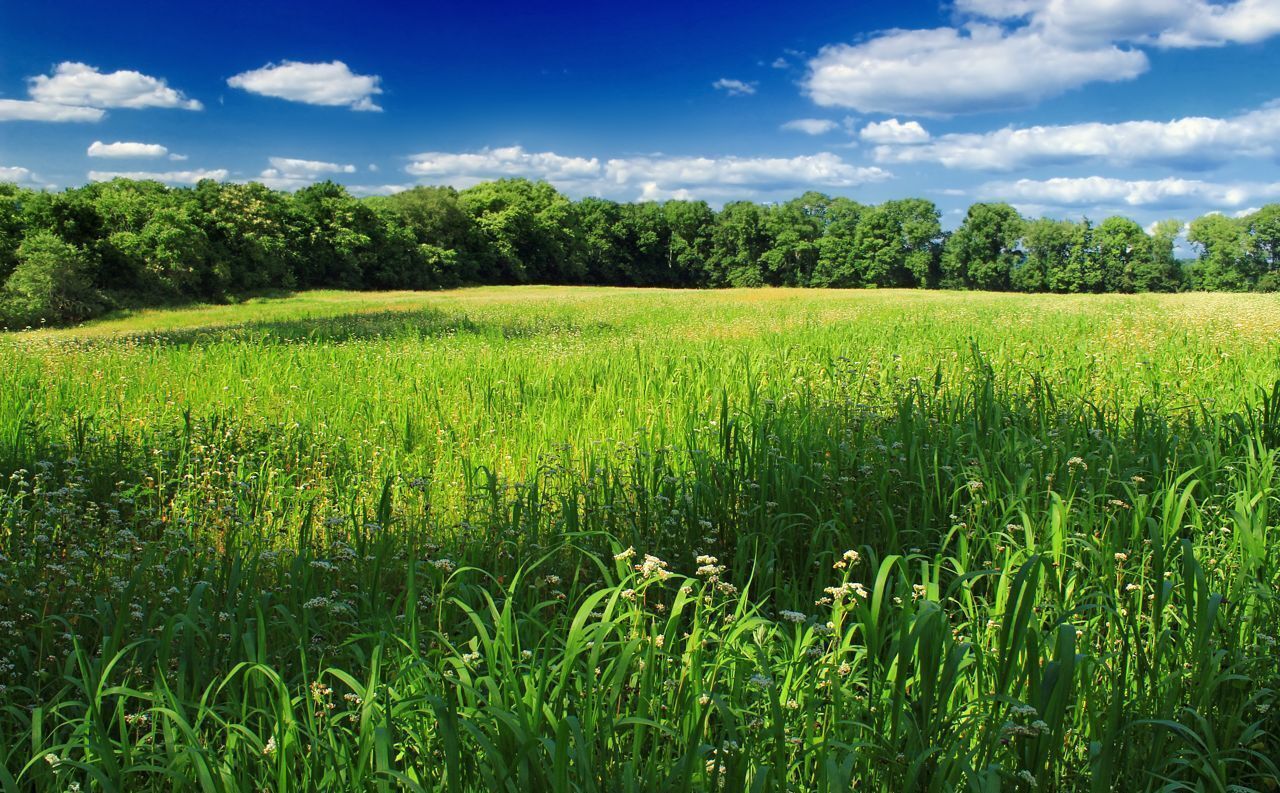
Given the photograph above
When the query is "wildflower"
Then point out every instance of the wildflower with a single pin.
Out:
(792, 616)
(624, 555)
(1122, 557)
(918, 591)
(552, 580)
(760, 681)
(1028, 777)
(629, 594)
(270, 748)
(652, 567)
(444, 565)
(848, 558)
(52, 759)
(704, 700)
(470, 658)
(1077, 462)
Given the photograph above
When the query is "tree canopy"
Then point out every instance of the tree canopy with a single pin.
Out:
(66, 256)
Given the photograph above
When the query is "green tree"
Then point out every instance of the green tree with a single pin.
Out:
(437, 219)
(837, 264)
(739, 241)
(689, 245)
(528, 228)
(794, 230)
(1160, 271)
(11, 200)
(256, 238)
(1262, 232)
(1223, 249)
(1046, 246)
(897, 243)
(51, 283)
(983, 252)
(1123, 248)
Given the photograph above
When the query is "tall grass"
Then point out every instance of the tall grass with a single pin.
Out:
(586, 540)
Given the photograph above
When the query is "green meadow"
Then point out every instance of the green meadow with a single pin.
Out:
(601, 539)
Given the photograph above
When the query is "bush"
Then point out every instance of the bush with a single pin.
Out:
(51, 284)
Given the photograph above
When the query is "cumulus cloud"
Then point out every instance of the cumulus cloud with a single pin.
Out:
(895, 132)
(126, 149)
(288, 173)
(466, 169)
(1014, 53)
(810, 126)
(331, 84)
(81, 85)
(18, 175)
(1194, 141)
(1104, 191)
(946, 71)
(1161, 23)
(734, 87)
(168, 177)
(648, 177)
(26, 110)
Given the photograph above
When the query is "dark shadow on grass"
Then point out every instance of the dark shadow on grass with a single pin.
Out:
(390, 325)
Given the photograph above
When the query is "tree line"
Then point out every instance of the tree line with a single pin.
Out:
(71, 255)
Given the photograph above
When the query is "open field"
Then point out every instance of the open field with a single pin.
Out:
(551, 538)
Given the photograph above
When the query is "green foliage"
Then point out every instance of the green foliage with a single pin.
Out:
(147, 243)
(51, 284)
(897, 243)
(1222, 243)
(761, 540)
(983, 252)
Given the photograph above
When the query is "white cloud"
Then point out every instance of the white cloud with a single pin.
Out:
(894, 131)
(378, 189)
(79, 84)
(1014, 53)
(781, 63)
(734, 87)
(331, 84)
(1162, 23)
(123, 149)
(18, 175)
(817, 170)
(946, 71)
(648, 177)
(26, 110)
(287, 173)
(312, 167)
(810, 126)
(169, 177)
(465, 169)
(1101, 191)
(1194, 141)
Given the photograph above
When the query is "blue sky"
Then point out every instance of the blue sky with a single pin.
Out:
(1149, 108)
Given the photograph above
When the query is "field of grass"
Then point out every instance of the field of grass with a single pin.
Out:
(587, 539)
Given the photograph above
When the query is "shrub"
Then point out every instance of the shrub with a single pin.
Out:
(50, 284)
